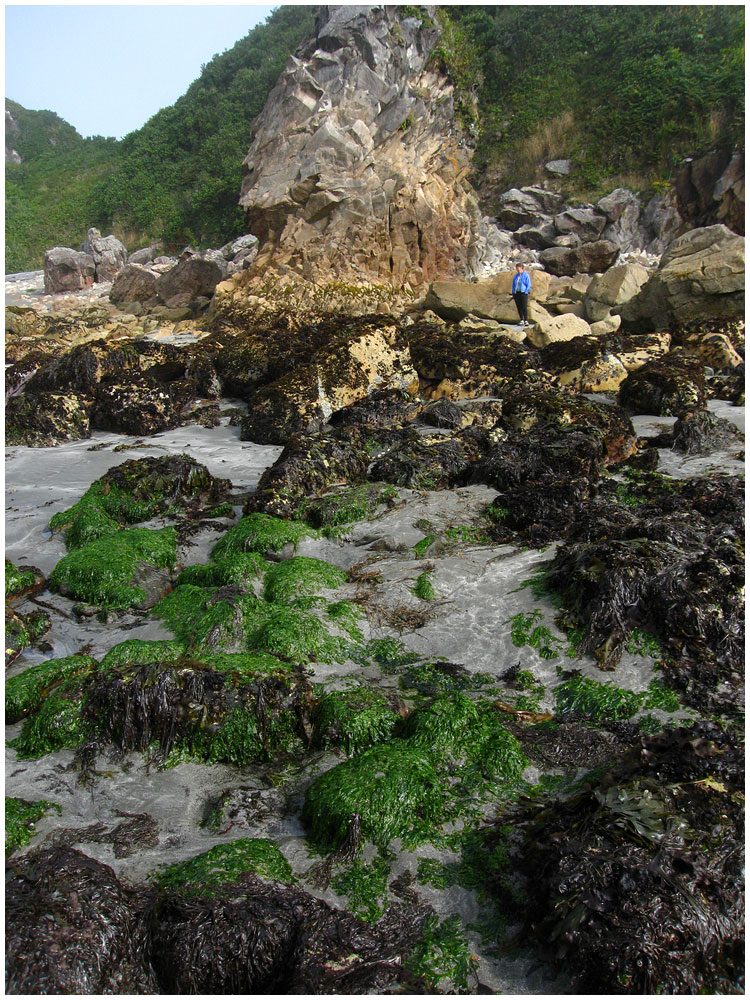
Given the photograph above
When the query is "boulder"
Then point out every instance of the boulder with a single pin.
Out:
(108, 252)
(587, 259)
(635, 350)
(700, 276)
(560, 167)
(622, 209)
(194, 276)
(714, 349)
(337, 376)
(454, 300)
(520, 208)
(711, 188)
(607, 325)
(44, 419)
(550, 329)
(134, 283)
(146, 255)
(67, 270)
(584, 222)
(536, 237)
(616, 286)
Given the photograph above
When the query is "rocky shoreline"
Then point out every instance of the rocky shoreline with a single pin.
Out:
(460, 604)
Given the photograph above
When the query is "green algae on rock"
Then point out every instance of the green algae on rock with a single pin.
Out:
(239, 569)
(205, 873)
(109, 572)
(260, 533)
(57, 725)
(134, 652)
(354, 719)
(441, 953)
(26, 692)
(19, 579)
(20, 817)
(301, 576)
(365, 888)
(605, 702)
(23, 630)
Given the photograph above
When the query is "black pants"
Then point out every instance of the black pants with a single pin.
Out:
(522, 303)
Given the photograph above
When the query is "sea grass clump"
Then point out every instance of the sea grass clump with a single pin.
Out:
(58, 724)
(20, 817)
(20, 578)
(239, 569)
(109, 572)
(299, 577)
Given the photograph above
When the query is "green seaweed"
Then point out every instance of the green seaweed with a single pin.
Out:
(222, 510)
(22, 631)
(444, 725)
(365, 888)
(57, 725)
(133, 652)
(354, 719)
(101, 573)
(389, 653)
(442, 952)
(643, 644)
(423, 588)
(238, 569)
(16, 581)
(294, 634)
(422, 546)
(602, 702)
(526, 632)
(394, 788)
(25, 692)
(20, 817)
(260, 533)
(224, 864)
(301, 576)
(340, 508)
(346, 616)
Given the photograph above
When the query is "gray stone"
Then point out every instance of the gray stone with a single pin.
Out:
(193, 276)
(108, 252)
(562, 167)
(584, 222)
(134, 283)
(144, 256)
(67, 270)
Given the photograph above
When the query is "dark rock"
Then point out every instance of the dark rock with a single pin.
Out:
(134, 283)
(140, 407)
(23, 630)
(669, 386)
(584, 222)
(589, 258)
(387, 408)
(44, 419)
(443, 413)
(73, 928)
(710, 189)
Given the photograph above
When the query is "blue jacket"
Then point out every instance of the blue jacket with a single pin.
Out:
(521, 283)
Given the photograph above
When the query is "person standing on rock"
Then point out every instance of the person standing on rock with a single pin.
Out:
(521, 289)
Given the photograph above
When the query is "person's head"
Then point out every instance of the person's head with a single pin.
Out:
(519, 267)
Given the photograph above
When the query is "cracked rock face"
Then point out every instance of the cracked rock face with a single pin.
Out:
(356, 172)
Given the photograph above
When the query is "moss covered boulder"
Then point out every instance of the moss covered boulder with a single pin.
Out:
(23, 629)
(25, 692)
(354, 719)
(126, 569)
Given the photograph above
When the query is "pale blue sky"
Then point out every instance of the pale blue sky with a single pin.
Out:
(107, 69)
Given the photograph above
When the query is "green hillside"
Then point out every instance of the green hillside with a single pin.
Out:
(624, 92)
(176, 179)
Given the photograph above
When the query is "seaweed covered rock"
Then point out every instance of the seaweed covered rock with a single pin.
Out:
(23, 629)
(668, 386)
(236, 709)
(141, 406)
(584, 363)
(25, 692)
(385, 408)
(475, 362)
(354, 719)
(20, 820)
(253, 936)
(125, 569)
(44, 419)
(421, 462)
(336, 377)
(701, 433)
(136, 491)
(73, 928)
(671, 564)
(21, 580)
(637, 877)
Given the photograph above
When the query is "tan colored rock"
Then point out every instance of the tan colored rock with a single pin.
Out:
(551, 329)
(700, 276)
(614, 287)
(607, 325)
(715, 349)
(602, 374)
(356, 173)
(455, 300)
(571, 308)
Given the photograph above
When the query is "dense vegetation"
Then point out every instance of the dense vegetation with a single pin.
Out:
(625, 92)
(620, 90)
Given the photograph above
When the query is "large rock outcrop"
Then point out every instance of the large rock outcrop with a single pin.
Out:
(357, 172)
(701, 276)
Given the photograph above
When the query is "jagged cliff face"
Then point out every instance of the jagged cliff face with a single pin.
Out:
(356, 172)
